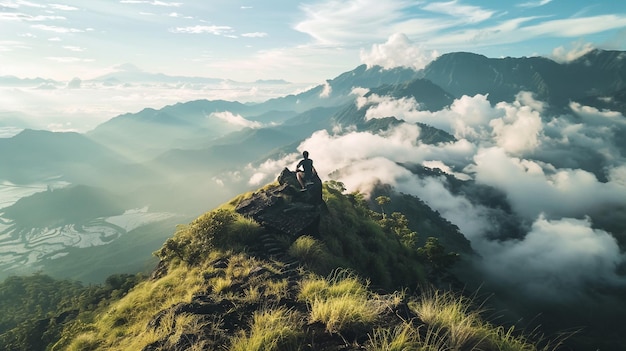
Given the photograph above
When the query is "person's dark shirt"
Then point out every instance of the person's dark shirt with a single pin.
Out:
(307, 165)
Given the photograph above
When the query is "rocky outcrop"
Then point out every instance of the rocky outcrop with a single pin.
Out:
(285, 208)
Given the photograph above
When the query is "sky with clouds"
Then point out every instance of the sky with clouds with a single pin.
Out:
(299, 41)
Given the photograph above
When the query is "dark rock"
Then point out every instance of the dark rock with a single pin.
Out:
(159, 271)
(284, 208)
(288, 177)
(220, 264)
(203, 305)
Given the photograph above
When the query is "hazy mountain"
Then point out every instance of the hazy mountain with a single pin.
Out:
(151, 132)
(596, 73)
(596, 79)
(13, 81)
(615, 101)
(35, 154)
(428, 95)
(128, 73)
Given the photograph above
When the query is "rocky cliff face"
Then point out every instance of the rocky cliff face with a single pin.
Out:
(286, 209)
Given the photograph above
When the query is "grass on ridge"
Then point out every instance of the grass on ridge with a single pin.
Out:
(341, 302)
(454, 323)
(278, 329)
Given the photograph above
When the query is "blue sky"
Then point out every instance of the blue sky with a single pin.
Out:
(307, 41)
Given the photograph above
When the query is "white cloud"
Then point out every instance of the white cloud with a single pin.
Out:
(328, 89)
(68, 59)
(522, 29)
(519, 131)
(577, 49)
(399, 144)
(385, 106)
(468, 13)
(254, 35)
(56, 29)
(538, 3)
(235, 119)
(267, 171)
(617, 175)
(62, 7)
(534, 188)
(467, 117)
(577, 27)
(29, 4)
(517, 126)
(73, 48)
(556, 259)
(257, 179)
(398, 51)
(154, 3)
(338, 22)
(438, 164)
(593, 116)
(472, 220)
(215, 30)
(359, 92)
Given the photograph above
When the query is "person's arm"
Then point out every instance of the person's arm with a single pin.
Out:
(299, 165)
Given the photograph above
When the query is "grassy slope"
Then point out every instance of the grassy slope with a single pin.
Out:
(258, 303)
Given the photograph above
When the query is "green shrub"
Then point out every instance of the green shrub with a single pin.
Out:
(355, 238)
(218, 229)
(311, 252)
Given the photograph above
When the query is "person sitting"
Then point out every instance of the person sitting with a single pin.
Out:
(305, 175)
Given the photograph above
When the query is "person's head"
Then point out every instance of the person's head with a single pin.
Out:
(305, 154)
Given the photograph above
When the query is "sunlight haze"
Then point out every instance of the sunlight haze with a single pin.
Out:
(99, 59)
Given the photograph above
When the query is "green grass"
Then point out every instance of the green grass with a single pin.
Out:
(403, 337)
(312, 253)
(339, 283)
(221, 229)
(453, 322)
(346, 312)
(122, 325)
(277, 329)
(341, 302)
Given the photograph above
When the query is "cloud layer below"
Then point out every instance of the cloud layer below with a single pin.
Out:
(541, 163)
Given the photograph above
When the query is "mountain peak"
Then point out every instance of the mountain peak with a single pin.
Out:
(128, 67)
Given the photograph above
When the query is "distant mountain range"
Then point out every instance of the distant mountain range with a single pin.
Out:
(127, 74)
(596, 74)
(192, 130)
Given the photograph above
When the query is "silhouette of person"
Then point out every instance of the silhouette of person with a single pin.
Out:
(305, 176)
